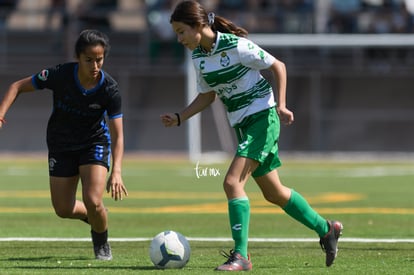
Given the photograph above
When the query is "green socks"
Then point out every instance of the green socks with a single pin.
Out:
(239, 215)
(299, 209)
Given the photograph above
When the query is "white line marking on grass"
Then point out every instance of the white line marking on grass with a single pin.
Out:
(199, 239)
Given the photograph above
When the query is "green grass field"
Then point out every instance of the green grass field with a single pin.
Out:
(374, 200)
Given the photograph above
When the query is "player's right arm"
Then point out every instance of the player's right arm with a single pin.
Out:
(202, 101)
(20, 86)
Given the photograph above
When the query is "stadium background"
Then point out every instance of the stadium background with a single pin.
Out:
(347, 99)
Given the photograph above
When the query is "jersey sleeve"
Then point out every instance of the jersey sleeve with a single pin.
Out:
(46, 78)
(252, 56)
(114, 109)
(202, 86)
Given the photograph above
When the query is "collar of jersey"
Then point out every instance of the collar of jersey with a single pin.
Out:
(213, 47)
(83, 90)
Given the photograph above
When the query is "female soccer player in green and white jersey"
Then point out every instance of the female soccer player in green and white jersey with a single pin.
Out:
(228, 66)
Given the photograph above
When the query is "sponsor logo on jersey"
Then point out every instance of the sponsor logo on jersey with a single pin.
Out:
(262, 54)
(43, 75)
(95, 106)
(225, 59)
(226, 90)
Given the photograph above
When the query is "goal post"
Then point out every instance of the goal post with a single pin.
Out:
(332, 40)
(194, 128)
(194, 123)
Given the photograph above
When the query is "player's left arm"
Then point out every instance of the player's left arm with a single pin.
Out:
(279, 72)
(115, 184)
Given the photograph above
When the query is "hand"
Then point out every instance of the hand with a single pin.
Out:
(116, 187)
(2, 122)
(285, 115)
(169, 119)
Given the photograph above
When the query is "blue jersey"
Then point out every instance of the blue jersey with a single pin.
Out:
(78, 119)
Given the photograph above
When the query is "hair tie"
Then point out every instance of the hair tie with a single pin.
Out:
(211, 17)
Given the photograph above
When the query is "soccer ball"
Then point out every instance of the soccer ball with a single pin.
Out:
(170, 249)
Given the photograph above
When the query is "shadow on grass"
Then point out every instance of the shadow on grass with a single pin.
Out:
(117, 268)
(76, 263)
(379, 249)
(28, 259)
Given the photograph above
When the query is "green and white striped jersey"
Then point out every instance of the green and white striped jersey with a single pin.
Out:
(232, 70)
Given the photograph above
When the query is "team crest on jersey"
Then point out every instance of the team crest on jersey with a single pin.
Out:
(224, 59)
(43, 75)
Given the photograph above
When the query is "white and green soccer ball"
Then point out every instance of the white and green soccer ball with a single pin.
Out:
(170, 249)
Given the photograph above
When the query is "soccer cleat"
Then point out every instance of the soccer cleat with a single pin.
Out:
(235, 262)
(329, 243)
(103, 252)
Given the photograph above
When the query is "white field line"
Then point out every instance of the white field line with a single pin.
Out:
(270, 240)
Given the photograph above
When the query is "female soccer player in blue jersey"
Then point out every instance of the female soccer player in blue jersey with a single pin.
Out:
(79, 138)
(228, 67)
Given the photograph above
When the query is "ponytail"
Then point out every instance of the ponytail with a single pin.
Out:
(193, 14)
(221, 24)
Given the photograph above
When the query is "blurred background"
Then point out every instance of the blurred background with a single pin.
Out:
(346, 98)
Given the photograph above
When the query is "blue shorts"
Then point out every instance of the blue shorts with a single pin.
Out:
(66, 164)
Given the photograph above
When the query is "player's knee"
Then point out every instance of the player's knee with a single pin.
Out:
(270, 198)
(228, 185)
(232, 187)
(275, 198)
(63, 213)
(94, 207)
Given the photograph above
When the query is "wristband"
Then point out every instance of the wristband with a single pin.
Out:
(178, 119)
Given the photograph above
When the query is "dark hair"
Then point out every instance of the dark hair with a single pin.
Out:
(193, 14)
(91, 38)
